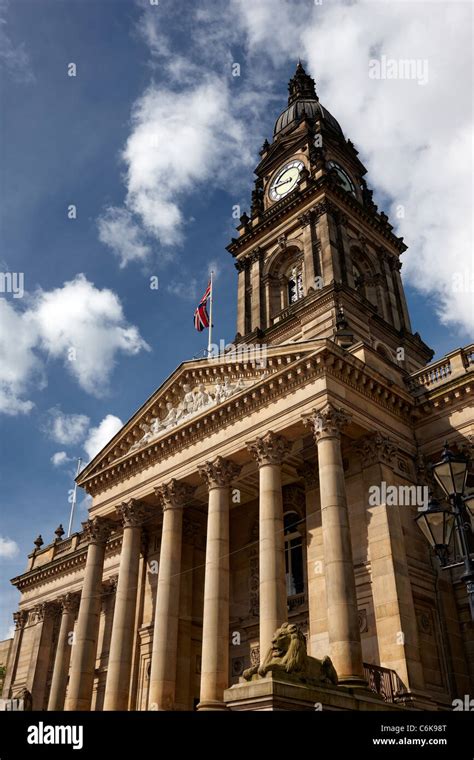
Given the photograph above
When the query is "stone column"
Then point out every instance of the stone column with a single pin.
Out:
(218, 476)
(69, 604)
(42, 617)
(79, 694)
(269, 452)
(119, 666)
(162, 693)
(394, 610)
(306, 221)
(343, 623)
(19, 619)
(255, 259)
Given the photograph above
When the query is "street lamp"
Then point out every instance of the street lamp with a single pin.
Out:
(437, 522)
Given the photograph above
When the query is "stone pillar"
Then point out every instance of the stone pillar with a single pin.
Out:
(343, 623)
(183, 676)
(269, 452)
(318, 644)
(395, 266)
(242, 267)
(306, 221)
(162, 692)
(215, 633)
(255, 259)
(121, 644)
(69, 604)
(43, 618)
(327, 235)
(19, 619)
(394, 610)
(79, 694)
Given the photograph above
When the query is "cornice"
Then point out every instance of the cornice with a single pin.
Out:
(286, 206)
(297, 370)
(56, 568)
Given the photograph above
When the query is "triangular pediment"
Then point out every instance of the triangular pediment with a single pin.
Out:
(194, 390)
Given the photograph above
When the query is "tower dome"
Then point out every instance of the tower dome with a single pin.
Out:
(303, 102)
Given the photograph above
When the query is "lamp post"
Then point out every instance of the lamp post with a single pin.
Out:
(437, 522)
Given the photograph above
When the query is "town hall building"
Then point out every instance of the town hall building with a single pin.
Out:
(232, 515)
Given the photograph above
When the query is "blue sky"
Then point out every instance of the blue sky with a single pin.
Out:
(166, 71)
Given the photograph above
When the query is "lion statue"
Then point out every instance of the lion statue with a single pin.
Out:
(288, 655)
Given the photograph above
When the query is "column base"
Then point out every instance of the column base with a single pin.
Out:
(211, 705)
(353, 682)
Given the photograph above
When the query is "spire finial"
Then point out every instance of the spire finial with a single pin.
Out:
(301, 85)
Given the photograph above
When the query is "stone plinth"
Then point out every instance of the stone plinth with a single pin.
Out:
(274, 693)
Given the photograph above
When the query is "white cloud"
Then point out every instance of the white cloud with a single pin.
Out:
(179, 141)
(66, 428)
(8, 548)
(86, 328)
(78, 323)
(18, 363)
(60, 458)
(99, 436)
(13, 56)
(415, 139)
(118, 231)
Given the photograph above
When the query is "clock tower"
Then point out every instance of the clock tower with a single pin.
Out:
(315, 257)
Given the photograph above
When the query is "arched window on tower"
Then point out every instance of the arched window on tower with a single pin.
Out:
(295, 284)
(294, 562)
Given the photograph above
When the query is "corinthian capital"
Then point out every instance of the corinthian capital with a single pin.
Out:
(269, 449)
(174, 494)
(219, 473)
(131, 513)
(97, 530)
(20, 618)
(376, 448)
(69, 602)
(327, 422)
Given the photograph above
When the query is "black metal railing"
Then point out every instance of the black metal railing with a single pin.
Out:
(384, 682)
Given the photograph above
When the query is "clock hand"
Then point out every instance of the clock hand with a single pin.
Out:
(285, 182)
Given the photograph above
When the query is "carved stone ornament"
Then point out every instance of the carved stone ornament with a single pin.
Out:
(69, 602)
(219, 473)
(269, 449)
(194, 402)
(376, 448)
(109, 586)
(131, 513)
(97, 530)
(43, 611)
(174, 494)
(328, 421)
(19, 619)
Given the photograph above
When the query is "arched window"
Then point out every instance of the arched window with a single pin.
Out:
(294, 563)
(295, 285)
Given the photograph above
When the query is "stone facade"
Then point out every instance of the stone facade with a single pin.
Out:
(237, 497)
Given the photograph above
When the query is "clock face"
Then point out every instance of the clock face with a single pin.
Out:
(344, 179)
(285, 180)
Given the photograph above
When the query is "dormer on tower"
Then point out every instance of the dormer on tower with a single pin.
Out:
(315, 243)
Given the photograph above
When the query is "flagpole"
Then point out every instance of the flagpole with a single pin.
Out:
(73, 505)
(209, 344)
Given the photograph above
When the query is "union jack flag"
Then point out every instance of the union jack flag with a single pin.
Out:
(201, 317)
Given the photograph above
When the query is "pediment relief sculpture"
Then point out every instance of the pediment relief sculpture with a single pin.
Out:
(194, 402)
